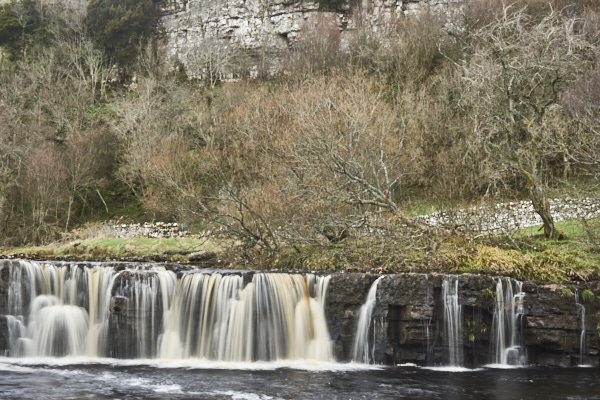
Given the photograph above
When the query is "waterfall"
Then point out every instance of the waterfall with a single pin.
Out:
(582, 337)
(273, 317)
(429, 345)
(54, 320)
(361, 351)
(146, 312)
(452, 320)
(507, 329)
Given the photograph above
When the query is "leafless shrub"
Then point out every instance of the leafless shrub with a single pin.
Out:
(351, 147)
(584, 99)
(43, 197)
(405, 49)
(316, 48)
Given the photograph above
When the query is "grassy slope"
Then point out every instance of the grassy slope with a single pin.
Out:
(114, 248)
(525, 254)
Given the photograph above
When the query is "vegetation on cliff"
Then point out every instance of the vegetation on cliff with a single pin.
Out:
(322, 163)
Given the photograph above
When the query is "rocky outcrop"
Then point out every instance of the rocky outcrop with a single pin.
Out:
(4, 337)
(408, 320)
(553, 324)
(219, 32)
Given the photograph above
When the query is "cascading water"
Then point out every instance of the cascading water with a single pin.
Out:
(507, 329)
(362, 351)
(452, 320)
(71, 310)
(143, 293)
(60, 317)
(429, 335)
(273, 317)
(582, 337)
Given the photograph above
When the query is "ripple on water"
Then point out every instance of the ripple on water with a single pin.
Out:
(246, 396)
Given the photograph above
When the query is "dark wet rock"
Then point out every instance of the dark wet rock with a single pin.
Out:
(4, 337)
(203, 255)
(119, 303)
(408, 320)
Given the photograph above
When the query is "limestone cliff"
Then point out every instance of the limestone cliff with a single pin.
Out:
(198, 32)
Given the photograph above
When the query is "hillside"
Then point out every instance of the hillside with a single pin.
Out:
(315, 151)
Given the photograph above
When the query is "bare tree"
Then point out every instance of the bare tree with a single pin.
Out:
(316, 48)
(516, 75)
(16, 139)
(42, 194)
(212, 61)
(86, 65)
(351, 148)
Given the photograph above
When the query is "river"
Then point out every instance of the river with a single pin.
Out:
(117, 379)
(76, 331)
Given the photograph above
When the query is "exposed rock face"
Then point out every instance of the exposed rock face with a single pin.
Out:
(199, 32)
(409, 313)
(4, 337)
(554, 324)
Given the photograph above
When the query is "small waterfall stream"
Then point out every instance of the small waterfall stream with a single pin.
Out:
(72, 309)
(452, 321)
(582, 337)
(362, 348)
(427, 327)
(507, 329)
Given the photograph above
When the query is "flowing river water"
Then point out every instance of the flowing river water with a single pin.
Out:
(142, 332)
(112, 379)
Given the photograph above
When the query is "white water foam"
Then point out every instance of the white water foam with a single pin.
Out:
(190, 363)
(23, 369)
(166, 388)
(452, 369)
(246, 396)
(505, 366)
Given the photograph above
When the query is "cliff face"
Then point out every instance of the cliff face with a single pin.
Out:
(409, 327)
(199, 32)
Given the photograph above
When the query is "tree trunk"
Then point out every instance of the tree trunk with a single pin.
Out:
(542, 207)
(539, 198)
(3, 218)
(71, 200)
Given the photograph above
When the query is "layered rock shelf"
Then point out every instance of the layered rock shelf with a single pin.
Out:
(409, 316)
